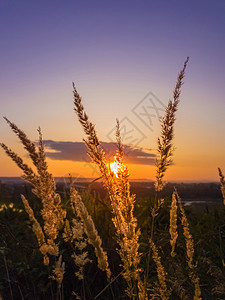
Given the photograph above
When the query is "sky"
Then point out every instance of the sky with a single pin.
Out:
(124, 57)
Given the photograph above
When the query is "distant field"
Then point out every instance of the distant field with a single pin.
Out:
(198, 194)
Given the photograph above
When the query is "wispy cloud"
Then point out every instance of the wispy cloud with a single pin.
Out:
(77, 151)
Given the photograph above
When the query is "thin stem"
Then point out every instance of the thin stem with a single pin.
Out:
(151, 238)
(7, 272)
(21, 294)
(108, 285)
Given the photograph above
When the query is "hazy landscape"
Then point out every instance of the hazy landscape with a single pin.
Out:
(205, 193)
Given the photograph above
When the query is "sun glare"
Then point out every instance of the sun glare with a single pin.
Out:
(114, 167)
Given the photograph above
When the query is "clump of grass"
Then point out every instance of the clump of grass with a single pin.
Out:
(122, 202)
(44, 188)
(81, 229)
(53, 213)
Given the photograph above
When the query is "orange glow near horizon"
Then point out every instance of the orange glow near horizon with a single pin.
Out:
(181, 171)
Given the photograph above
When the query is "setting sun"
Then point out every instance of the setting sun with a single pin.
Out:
(114, 167)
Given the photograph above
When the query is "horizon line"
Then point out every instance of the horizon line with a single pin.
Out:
(89, 179)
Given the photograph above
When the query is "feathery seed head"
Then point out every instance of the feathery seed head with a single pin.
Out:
(222, 182)
(165, 145)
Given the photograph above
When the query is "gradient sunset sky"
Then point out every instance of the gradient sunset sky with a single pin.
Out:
(124, 57)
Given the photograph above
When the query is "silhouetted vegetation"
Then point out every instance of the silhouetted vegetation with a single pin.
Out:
(21, 263)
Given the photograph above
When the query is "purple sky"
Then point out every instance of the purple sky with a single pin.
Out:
(116, 52)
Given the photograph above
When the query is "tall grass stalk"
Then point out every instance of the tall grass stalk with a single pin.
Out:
(121, 201)
(165, 151)
(189, 250)
(165, 141)
(173, 224)
(161, 273)
(90, 230)
(222, 182)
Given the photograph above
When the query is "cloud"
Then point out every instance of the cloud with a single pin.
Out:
(77, 151)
